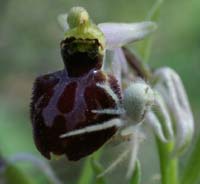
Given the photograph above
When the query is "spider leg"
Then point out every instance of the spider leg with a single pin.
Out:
(123, 135)
(134, 136)
(134, 147)
(116, 162)
(94, 128)
(109, 91)
(119, 111)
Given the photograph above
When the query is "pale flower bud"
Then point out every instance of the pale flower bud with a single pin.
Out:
(170, 86)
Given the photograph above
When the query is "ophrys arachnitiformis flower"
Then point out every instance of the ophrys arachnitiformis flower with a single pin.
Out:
(70, 109)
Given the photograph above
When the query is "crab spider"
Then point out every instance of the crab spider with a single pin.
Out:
(138, 98)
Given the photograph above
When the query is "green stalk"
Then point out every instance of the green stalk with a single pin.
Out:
(168, 164)
(190, 173)
(87, 173)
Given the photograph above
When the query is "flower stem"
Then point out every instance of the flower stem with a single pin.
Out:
(87, 172)
(168, 164)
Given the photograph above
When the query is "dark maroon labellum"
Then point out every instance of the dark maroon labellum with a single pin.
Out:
(63, 101)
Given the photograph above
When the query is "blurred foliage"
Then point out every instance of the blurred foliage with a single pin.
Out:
(14, 175)
(29, 46)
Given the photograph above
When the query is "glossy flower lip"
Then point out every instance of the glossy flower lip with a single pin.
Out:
(118, 34)
(51, 116)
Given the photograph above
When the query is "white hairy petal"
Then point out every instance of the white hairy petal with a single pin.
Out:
(172, 90)
(62, 20)
(119, 58)
(119, 34)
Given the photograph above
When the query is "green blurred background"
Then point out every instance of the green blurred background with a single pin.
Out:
(29, 46)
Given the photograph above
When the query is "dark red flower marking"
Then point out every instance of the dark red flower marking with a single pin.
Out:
(67, 106)
(63, 101)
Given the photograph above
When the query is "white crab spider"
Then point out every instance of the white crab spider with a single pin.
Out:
(138, 98)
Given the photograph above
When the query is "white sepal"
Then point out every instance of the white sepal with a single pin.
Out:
(62, 20)
(119, 34)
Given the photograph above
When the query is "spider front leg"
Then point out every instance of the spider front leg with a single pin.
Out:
(111, 111)
(119, 111)
(136, 136)
(94, 128)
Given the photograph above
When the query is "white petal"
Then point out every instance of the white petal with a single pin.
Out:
(119, 34)
(118, 64)
(62, 20)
